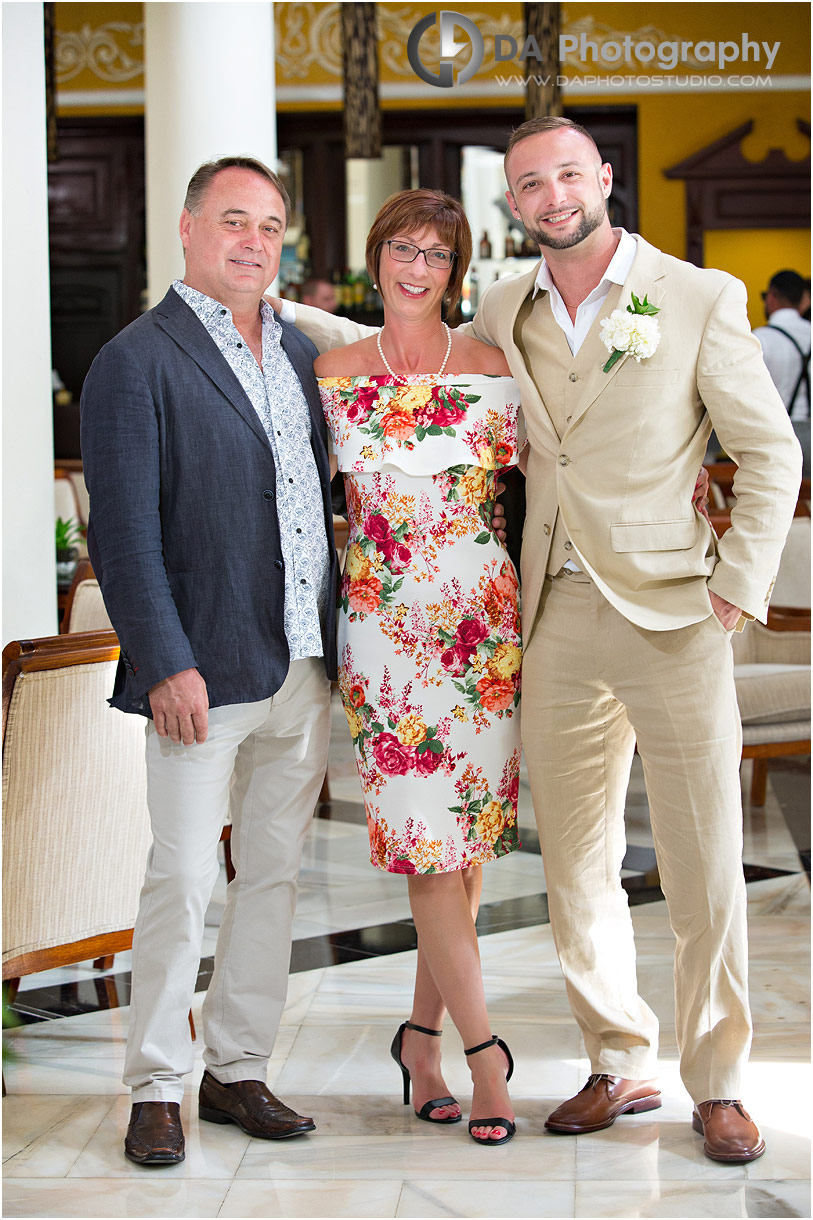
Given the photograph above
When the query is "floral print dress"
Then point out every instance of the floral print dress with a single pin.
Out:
(429, 633)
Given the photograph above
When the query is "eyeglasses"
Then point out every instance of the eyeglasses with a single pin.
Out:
(405, 252)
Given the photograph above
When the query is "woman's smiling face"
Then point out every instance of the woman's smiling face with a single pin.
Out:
(414, 289)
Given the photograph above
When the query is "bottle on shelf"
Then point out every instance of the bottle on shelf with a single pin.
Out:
(509, 244)
(485, 245)
(474, 290)
(347, 289)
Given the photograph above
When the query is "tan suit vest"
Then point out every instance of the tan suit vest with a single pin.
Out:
(559, 378)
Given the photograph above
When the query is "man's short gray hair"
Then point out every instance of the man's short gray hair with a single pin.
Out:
(202, 177)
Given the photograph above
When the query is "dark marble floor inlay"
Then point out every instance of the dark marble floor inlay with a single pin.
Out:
(790, 784)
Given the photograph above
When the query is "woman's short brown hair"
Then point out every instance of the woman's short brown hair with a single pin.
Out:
(411, 211)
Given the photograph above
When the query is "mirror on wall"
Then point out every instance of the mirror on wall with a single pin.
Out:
(501, 245)
(369, 183)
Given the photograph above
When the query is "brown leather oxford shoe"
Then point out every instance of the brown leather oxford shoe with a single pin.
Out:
(600, 1102)
(155, 1134)
(730, 1134)
(252, 1106)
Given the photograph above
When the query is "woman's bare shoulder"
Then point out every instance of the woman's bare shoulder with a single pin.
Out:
(471, 356)
(354, 360)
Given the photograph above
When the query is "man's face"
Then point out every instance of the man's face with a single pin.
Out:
(558, 188)
(770, 302)
(233, 242)
(322, 296)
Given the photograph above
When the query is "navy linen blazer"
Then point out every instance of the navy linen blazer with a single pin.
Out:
(183, 533)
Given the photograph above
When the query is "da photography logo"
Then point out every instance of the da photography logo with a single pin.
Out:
(449, 47)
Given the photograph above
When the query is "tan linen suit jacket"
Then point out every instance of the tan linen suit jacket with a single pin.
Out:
(624, 471)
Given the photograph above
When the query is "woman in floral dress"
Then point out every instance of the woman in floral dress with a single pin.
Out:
(423, 422)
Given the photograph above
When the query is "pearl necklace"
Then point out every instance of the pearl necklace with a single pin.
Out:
(402, 376)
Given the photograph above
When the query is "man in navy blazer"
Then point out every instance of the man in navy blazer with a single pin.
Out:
(211, 534)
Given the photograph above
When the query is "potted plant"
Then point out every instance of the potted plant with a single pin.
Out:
(67, 534)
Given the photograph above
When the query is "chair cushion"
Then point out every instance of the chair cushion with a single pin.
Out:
(768, 734)
(772, 693)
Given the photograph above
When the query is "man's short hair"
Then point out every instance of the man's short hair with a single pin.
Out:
(550, 122)
(789, 285)
(414, 210)
(203, 175)
(312, 283)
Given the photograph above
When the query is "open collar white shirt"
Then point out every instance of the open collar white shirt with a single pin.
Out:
(617, 271)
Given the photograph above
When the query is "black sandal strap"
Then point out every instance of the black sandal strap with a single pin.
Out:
(436, 1104)
(433, 1033)
(483, 1046)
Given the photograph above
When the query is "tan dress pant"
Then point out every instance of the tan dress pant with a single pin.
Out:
(264, 762)
(593, 683)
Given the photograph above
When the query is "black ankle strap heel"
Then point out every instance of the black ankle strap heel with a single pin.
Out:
(436, 1103)
(510, 1127)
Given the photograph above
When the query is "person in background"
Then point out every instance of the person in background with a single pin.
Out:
(319, 293)
(786, 342)
(211, 534)
(786, 350)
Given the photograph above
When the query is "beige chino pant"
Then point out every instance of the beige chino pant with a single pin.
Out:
(593, 683)
(264, 762)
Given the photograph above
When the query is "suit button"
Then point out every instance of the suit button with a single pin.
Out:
(545, 529)
(268, 495)
(278, 564)
(568, 546)
(564, 461)
(574, 376)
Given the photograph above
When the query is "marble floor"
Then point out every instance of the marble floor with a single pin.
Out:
(354, 954)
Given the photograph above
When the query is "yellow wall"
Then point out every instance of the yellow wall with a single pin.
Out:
(99, 48)
(754, 255)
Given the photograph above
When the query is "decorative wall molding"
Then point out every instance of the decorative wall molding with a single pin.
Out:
(114, 52)
(726, 190)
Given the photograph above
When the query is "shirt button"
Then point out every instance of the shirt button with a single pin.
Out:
(303, 581)
(564, 461)
(222, 313)
(268, 495)
(290, 480)
(278, 564)
(298, 530)
(574, 376)
(239, 345)
(545, 529)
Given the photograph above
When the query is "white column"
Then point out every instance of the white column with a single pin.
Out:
(29, 555)
(209, 91)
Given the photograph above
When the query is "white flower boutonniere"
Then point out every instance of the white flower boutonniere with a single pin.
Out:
(633, 330)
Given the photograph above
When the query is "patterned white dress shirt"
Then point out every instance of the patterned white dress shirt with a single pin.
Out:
(276, 394)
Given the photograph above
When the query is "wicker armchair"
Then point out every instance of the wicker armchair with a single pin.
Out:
(75, 823)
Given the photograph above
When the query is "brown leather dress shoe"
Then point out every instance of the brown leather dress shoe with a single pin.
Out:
(252, 1106)
(730, 1134)
(600, 1102)
(155, 1134)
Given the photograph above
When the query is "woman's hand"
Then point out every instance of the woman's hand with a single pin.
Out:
(498, 522)
(700, 499)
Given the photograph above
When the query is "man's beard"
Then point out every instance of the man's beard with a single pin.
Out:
(589, 222)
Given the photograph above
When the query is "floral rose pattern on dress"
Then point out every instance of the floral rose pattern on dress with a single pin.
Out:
(429, 632)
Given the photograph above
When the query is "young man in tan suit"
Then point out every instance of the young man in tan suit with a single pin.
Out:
(628, 605)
